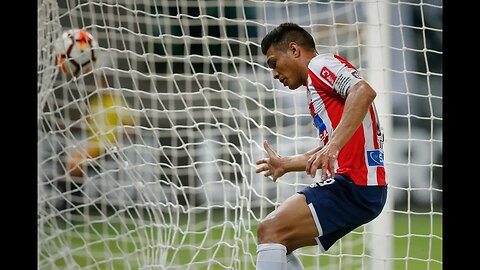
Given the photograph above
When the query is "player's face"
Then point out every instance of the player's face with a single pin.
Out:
(284, 67)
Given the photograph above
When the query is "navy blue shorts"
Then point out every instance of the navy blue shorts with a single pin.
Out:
(339, 206)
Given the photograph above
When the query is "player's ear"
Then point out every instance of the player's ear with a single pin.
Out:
(293, 47)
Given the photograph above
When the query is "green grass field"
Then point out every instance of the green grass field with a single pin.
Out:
(111, 243)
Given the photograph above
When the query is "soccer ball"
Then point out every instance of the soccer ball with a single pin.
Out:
(75, 52)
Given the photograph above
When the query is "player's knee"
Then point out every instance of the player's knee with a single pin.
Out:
(263, 232)
(269, 231)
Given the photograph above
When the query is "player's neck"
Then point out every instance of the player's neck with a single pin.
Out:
(308, 57)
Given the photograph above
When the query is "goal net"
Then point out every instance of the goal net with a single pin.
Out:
(148, 160)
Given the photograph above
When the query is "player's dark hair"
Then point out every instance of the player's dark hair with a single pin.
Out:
(285, 33)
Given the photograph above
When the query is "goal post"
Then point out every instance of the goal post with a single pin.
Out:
(378, 60)
(182, 99)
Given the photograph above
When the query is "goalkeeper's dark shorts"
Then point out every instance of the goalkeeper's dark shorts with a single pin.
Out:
(339, 206)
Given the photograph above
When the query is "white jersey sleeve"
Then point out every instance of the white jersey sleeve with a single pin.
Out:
(335, 72)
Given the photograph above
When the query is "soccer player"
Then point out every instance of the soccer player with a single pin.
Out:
(352, 189)
(105, 115)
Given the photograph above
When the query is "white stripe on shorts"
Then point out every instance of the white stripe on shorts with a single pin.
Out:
(315, 218)
(319, 227)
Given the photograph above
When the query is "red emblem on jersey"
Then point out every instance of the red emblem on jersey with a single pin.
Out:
(328, 75)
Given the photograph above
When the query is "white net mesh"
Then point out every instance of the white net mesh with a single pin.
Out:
(148, 161)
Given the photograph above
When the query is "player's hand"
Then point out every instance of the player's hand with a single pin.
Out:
(325, 160)
(272, 165)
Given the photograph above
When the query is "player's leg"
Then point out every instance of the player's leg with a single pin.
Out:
(276, 261)
(78, 156)
(291, 246)
(290, 223)
(339, 206)
(293, 263)
(324, 242)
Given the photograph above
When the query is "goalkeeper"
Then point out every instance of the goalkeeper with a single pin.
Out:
(105, 116)
(352, 189)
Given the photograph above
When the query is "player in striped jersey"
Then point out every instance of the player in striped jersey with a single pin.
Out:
(353, 187)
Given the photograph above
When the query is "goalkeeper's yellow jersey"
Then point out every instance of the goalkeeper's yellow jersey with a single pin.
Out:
(106, 114)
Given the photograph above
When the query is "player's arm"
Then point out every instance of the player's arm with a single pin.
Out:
(359, 98)
(357, 104)
(276, 166)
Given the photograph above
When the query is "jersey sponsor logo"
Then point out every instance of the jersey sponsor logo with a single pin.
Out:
(328, 75)
(375, 158)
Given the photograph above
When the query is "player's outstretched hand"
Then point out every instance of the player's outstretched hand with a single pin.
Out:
(272, 165)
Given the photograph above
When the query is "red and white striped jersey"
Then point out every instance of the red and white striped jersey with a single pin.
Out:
(329, 79)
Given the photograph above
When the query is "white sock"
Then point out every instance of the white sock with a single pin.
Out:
(271, 257)
(293, 263)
